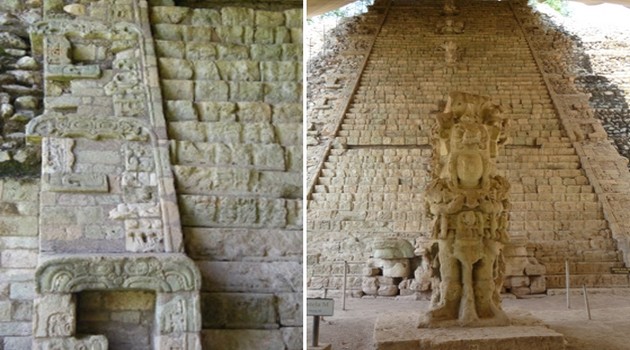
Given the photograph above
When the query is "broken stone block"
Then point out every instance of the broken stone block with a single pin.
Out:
(518, 291)
(392, 267)
(388, 291)
(538, 284)
(369, 285)
(516, 281)
(535, 270)
(392, 249)
(370, 271)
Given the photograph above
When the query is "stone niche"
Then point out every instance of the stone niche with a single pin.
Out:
(125, 317)
(174, 280)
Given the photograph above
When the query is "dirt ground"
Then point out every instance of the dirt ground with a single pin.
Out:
(609, 328)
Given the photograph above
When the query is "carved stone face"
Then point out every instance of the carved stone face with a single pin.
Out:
(469, 170)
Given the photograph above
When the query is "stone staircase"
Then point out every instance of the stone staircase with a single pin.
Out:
(557, 211)
(233, 106)
(362, 194)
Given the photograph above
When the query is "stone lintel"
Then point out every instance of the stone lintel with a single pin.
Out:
(399, 331)
(72, 273)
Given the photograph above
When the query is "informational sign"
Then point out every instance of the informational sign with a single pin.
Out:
(319, 306)
(621, 270)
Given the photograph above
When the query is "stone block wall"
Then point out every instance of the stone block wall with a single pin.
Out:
(18, 258)
(231, 81)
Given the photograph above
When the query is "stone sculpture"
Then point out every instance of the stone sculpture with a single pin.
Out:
(450, 52)
(469, 206)
(449, 8)
(450, 26)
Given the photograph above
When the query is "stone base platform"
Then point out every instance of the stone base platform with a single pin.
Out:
(399, 332)
(320, 347)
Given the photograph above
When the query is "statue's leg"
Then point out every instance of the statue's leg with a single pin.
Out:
(485, 287)
(450, 288)
(467, 309)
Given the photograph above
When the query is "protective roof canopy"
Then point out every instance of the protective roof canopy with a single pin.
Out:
(319, 7)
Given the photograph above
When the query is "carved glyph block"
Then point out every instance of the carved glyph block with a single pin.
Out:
(185, 341)
(57, 156)
(54, 316)
(92, 342)
(70, 72)
(75, 182)
(175, 313)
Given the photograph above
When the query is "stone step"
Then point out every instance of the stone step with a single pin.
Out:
(590, 280)
(233, 181)
(551, 256)
(554, 197)
(254, 156)
(286, 134)
(579, 225)
(556, 215)
(545, 172)
(578, 268)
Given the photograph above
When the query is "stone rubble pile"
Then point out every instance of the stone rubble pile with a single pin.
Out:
(21, 92)
(390, 265)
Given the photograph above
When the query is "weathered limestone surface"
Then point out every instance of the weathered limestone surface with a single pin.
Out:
(18, 257)
(108, 216)
(370, 185)
(231, 78)
(231, 81)
(393, 332)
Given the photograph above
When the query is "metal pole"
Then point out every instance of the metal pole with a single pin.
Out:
(568, 284)
(315, 341)
(588, 306)
(345, 277)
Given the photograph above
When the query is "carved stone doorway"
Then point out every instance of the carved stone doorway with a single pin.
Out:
(174, 279)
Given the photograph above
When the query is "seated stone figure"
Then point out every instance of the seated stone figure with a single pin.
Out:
(468, 204)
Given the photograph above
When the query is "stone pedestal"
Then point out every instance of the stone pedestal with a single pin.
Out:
(400, 332)
(320, 347)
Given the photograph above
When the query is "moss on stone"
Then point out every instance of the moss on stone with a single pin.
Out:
(15, 169)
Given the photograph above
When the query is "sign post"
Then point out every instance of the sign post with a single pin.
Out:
(317, 307)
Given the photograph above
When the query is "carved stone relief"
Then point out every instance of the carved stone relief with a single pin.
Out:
(451, 52)
(54, 316)
(449, 8)
(176, 314)
(75, 182)
(75, 126)
(69, 72)
(71, 274)
(57, 156)
(450, 26)
(469, 205)
(93, 342)
(104, 42)
(57, 49)
(127, 93)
